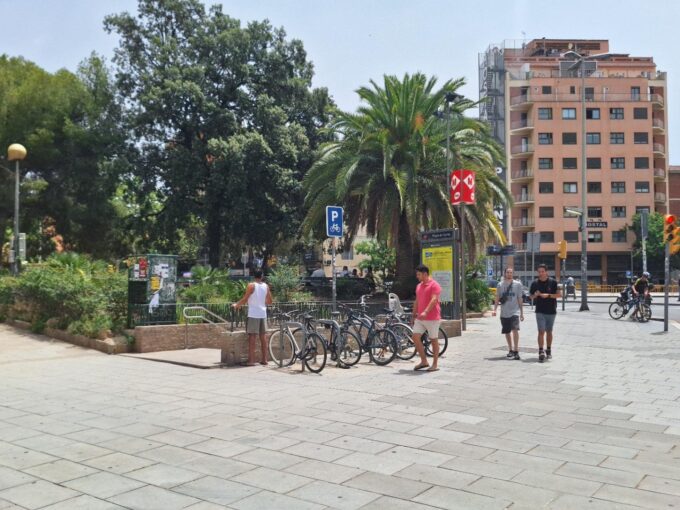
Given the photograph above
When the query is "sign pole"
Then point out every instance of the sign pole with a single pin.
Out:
(667, 284)
(644, 227)
(333, 273)
(463, 314)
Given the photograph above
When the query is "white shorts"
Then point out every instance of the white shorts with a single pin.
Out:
(432, 327)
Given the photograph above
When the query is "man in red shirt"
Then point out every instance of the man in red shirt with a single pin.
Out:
(426, 317)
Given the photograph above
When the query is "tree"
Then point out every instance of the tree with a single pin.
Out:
(655, 244)
(226, 120)
(379, 257)
(70, 125)
(387, 166)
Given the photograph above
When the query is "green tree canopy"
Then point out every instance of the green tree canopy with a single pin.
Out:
(225, 119)
(387, 167)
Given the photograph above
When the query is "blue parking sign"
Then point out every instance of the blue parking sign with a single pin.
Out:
(334, 216)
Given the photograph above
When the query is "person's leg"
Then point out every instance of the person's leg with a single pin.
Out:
(435, 352)
(508, 339)
(420, 350)
(263, 348)
(515, 340)
(251, 348)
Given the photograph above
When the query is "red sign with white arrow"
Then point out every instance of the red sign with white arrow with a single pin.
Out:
(462, 187)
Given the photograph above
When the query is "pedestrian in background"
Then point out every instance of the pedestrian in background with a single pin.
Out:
(509, 296)
(426, 317)
(258, 296)
(545, 293)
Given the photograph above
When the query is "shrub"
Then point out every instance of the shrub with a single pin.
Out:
(92, 327)
(284, 282)
(477, 295)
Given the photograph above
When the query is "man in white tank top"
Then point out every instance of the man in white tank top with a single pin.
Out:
(258, 296)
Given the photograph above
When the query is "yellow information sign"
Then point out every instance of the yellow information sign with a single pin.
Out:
(439, 260)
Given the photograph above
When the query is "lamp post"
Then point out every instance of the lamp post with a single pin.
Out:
(16, 152)
(580, 64)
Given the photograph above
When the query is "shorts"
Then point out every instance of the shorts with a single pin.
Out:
(256, 326)
(509, 324)
(432, 327)
(545, 321)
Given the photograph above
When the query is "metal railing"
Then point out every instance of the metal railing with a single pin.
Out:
(522, 98)
(562, 97)
(554, 73)
(525, 173)
(659, 148)
(656, 98)
(523, 222)
(519, 124)
(658, 123)
(659, 197)
(191, 314)
(523, 197)
(519, 149)
(231, 319)
(660, 172)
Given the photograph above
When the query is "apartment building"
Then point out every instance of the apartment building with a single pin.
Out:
(674, 189)
(534, 105)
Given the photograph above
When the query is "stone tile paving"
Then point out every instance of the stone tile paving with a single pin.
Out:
(597, 427)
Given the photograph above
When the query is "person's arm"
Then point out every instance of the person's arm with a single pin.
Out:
(249, 290)
(495, 301)
(415, 310)
(269, 300)
(520, 301)
(558, 292)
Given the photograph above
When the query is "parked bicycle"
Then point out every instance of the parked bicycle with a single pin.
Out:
(343, 345)
(380, 343)
(286, 347)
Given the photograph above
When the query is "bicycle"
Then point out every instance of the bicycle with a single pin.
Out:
(404, 332)
(379, 343)
(642, 312)
(344, 346)
(285, 350)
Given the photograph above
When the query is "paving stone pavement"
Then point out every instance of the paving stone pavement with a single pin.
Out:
(596, 427)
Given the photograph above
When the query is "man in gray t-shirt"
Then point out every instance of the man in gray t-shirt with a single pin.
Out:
(509, 296)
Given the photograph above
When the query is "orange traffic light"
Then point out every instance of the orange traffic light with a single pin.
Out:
(668, 227)
(563, 249)
(675, 241)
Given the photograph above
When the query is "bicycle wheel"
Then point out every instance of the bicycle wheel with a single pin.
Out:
(406, 349)
(443, 341)
(382, 347)
(616, 310)
(348, 348)
(281, 349)
(644, 312)
(314, 356)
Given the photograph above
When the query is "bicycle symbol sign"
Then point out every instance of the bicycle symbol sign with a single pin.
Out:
(334, 220)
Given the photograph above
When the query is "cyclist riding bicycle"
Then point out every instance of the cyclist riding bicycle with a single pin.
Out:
(642, 286)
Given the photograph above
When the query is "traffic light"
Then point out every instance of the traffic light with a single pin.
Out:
(563, 249)
(675, 241)
(668, 228)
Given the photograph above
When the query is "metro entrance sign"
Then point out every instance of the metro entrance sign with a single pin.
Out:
(462, 187)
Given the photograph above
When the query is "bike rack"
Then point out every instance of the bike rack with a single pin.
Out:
(205, 316)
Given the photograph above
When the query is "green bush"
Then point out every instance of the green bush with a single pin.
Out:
(284, 282)
(93, 327)
(477, 295)
(211, 285)
(8, 286)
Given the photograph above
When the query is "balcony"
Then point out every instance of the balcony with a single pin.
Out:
(659, 150)
(658, 125)
(660, 197)
(521, 102)
(524, 175)
(523, 198)
(657, 100)
(523, 223)
(522, 150)
(521, 126)
(659, 174)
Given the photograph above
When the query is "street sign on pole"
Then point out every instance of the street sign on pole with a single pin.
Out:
(644, 230)
(462, 186)
(334, 217)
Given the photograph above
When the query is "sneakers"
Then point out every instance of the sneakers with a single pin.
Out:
(541, 356)
(510, 354)
(516, 355)
(548, 354)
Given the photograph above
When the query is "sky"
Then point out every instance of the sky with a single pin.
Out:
(353, 41)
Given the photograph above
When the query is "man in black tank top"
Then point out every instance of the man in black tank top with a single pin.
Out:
(545, 292)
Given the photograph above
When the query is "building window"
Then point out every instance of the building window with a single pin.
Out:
(545, 163)
(617, 138)
(639, 113)
(595, 212)
(546, 212)
(569, 163)
(619, 236)
(545, 138)
(572, 89)
(546, 89)
(594, 187)
(547, 237)
(618, 187)
(569, 187)
(593, 113)
(642, 137)
(618, 211)
(641, 163)
(635, 93)
(545, 114)
(571, 236)
(569, 138)
(590, 94)
(618, 163)
(616, 113)
(642, 208)
(593, 138)
(545, 187)
(641, 187)
(566, 214)
(568, 113)
(594, 237)
(594, 163)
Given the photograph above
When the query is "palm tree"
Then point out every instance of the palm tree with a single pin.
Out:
(387, 167)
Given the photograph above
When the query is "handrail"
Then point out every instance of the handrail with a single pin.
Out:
(205, 316)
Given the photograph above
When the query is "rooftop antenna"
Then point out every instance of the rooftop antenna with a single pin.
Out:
(524, 39)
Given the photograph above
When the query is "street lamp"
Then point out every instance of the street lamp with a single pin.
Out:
(459, 276)
(580, 63)
(16, 152)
